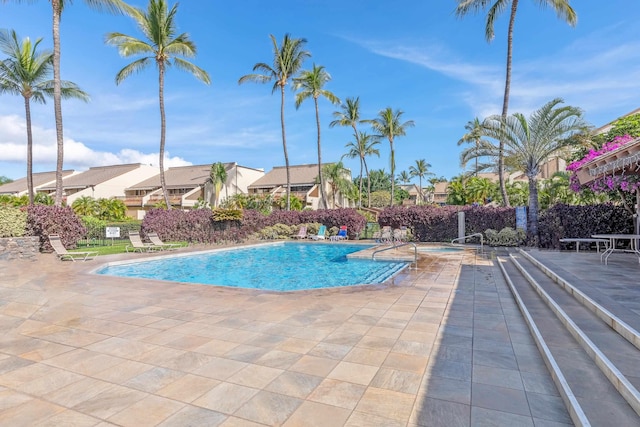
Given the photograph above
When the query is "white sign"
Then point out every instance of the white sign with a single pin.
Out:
(521, 217)
(112, 232)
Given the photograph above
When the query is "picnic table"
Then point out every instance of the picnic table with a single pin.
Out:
(614, 239)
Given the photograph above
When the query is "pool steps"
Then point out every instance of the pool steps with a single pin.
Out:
(591, 354)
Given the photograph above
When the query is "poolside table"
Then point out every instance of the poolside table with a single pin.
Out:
(615, 238)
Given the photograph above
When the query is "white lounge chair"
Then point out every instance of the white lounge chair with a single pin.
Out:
(155, 239)
(64, 255)
(321, 233)
(137, 245)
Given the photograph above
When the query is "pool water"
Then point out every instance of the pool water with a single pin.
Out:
(276, 267)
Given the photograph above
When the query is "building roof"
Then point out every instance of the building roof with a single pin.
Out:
(299, 175)
(608, 126)
(39, 178)
(95, 176)
(179, 177)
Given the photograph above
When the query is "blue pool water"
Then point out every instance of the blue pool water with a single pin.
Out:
(280, 267)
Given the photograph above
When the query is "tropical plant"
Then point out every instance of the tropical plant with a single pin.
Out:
(85, 206)
(163, 48)
(111, 209)
(293, 203)
(287, 61)
(5, 180)
(474, 135)
(531, 141)
(337, 175)
(363, 146)
(388, 125)
(27, 72)
(479, 190)
(379, 179)
(310, 84)
(421, 170)
(404, 177)
(217, 178)
(57, 6)
(562, 9)
(456, 192)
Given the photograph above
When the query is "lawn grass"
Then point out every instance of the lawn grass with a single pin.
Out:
(115, 247)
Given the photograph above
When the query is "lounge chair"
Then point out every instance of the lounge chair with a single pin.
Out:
(137, 245)
(155, 239)
(342, 234)
(302, 233)
(64, 255)
(321, 231)
(385, 235)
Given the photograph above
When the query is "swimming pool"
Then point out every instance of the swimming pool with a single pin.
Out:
(276, 267)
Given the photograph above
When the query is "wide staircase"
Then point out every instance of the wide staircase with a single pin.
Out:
(590, 344)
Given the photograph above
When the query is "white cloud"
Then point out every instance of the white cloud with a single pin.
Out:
(76, 154)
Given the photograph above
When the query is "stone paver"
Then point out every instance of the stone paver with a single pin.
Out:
(437, 346)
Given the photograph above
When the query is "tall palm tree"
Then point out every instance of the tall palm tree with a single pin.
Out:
(363, 146)
(57, 6)
(529, 142)
(562, 9)
(217, 178)
(27, 72)
(163, 48)
(421, 170)
(404, 177)
(287, 62)
(388, 125)
(310, 83)
(350, 116)
(474, 135)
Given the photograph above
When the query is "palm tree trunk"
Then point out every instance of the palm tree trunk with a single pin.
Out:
(27, 112)
(284, 147)
(393, 171)
(421, 197)
(532, 215)
(366, 170)
(57, 97)
(163, 131)
(323, 196)
(505, 101)
(360, 194)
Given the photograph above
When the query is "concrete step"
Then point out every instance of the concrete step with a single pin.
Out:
(591, 398)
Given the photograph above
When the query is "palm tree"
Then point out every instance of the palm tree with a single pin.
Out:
(217, 178)
(85, 206)
(311, 83)
(364, 145)
(388, 125)
(404, 177)
(562, 9)
(287, 61)
(474, 135)
(27, 72)
(336, 176)
(421, 170)
(162, 47)
(57, 6)
(529, 142)
(456, 191)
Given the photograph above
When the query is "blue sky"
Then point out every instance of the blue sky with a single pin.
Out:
(410, 55)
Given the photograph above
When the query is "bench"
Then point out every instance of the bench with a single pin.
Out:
(578, 240)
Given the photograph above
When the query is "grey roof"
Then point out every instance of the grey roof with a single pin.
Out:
(96, 175)
(299, 175)
(39, 178)
(179, 177)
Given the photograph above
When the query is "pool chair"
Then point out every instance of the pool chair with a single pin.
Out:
(302, 233)
(321, 231)
(342, 234)
(385, 235)
(155, 240)
(137, 245)
(64, 255)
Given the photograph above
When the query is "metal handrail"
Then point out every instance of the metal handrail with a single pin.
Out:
(415, 252)
(472, 235)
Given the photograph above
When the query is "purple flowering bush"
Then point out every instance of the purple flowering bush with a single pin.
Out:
(43, 220)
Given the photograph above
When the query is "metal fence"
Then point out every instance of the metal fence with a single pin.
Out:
(108, 234)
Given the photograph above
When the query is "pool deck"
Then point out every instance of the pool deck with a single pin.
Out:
(443, 345)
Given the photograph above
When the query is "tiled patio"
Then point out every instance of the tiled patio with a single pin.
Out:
(441, 346)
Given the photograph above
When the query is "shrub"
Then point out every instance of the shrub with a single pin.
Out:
(563, 220)
(43, 220)
(221, 215)
(13, 221)
(505, 237)
(440, 224)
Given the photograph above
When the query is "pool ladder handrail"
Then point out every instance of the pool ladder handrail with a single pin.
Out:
(472, 235)
(395, 246)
